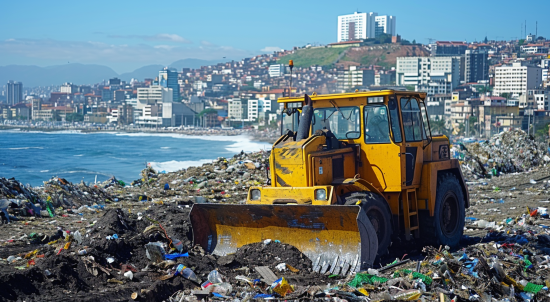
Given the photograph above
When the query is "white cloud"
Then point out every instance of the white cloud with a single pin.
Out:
(271, 49)
(207, 44)
(165, 47)
(157, 37)
(171, 37)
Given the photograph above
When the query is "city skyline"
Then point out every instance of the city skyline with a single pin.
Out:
(127, 36)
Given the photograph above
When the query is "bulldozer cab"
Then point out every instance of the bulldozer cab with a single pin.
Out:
(390, 129)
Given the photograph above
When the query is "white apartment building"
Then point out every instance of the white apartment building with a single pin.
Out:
(68, 88)
(153, 95)
(517, 78)
(276, 70)
(356, 26)
(384, 25)
(535, 99)
(235, 109)
(534, 49)
(252, 110)
(428, 70)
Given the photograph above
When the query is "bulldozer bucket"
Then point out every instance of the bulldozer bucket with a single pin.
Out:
(337, 239)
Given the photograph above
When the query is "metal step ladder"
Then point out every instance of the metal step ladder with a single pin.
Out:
(410, 213)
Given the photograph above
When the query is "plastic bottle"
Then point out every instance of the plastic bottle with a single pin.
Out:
(223, 288)
(215, 277)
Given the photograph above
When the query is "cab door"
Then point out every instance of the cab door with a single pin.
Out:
(414, 136)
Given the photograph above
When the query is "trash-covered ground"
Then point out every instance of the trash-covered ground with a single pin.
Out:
(507, 152)
(121, 242)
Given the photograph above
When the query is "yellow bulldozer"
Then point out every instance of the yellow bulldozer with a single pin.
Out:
(350, 173)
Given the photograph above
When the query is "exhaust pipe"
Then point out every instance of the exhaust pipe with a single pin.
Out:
(305, 119)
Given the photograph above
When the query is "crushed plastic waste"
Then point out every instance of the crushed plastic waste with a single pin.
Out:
(506, 152)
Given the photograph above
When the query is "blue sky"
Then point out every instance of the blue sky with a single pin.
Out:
(126, 35)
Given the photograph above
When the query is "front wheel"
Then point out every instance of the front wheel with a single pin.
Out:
(447, 225)
(378, 212)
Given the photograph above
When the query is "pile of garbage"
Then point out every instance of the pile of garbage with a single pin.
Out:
(64, 193)
(224, 180)
(506, 152)
(18, 200)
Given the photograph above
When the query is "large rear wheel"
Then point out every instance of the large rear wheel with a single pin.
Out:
(379, 214)
(447, 225)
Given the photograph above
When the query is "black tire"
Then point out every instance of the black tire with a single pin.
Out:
(379, 214)
(447, 225)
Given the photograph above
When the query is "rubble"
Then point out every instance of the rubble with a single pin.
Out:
(507, 152)
(125, 242)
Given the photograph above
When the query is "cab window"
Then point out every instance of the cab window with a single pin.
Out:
(290, 120)
(394, 119)
(377, 129)
(343, 122)
(412, 123)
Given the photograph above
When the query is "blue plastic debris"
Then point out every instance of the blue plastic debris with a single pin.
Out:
(174, 256)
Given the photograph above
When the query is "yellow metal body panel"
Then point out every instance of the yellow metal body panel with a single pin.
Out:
(352, 95)
(298, 195)
(381, 166)
(322, 170)
(289, 162)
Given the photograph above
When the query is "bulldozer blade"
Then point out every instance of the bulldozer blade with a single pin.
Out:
(338, 239)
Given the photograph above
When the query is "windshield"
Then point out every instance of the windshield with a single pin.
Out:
(344, 122)
(290, 122)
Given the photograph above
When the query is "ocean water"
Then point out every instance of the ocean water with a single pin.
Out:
(33, 157)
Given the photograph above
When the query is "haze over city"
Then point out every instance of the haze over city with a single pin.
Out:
(128, 35)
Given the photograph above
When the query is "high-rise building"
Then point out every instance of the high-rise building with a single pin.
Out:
(476, 66)
(168, 77)
(68, 88)
(439, 74)
(277, 70)
(153, 95)
(14, 92)
(384, 25)
(517, 78)
(354, 77)
(356, 26)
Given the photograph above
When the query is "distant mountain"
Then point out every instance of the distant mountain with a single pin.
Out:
(82, 74)
(149, 71)
(194, 63)
(75, 73)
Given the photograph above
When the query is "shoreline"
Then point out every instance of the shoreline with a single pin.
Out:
(268, 136)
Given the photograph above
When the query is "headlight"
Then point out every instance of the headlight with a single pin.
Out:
(444, 152)
(321, 194)
(255, 194)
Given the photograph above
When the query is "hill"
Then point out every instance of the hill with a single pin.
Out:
(321, 56)
(380, 54)
(149, 71)
(32, 76)
(384, 55)
(85, 74)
